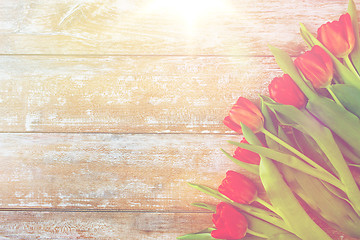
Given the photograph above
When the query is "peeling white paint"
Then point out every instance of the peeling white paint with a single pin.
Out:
(30, 120)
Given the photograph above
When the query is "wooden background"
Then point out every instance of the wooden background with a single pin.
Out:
(108, 108)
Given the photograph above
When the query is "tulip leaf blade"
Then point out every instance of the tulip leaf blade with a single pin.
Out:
(349, 97)
(317, 195)
(197, 236)
(284, 200)
(355, 54)
(209, 207)
(310, 148)
(202, 235)
(289, 160)
(209, 191)
(329, 113)
(283, 236)
(269, 123)
(264, 228)
(247, 166)
(321, 196)
(354, 165)
(251, 237)
(307, 36)
(348, 154)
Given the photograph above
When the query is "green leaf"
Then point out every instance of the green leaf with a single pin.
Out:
(210, 191)
(207, 230)
(329, 113)
(346, 151)
(283, 236)
(349, 97)
(284, 200)
(202, 235)
(323, 201)
(345, 74)
(355, 165)
(247, 166)
(291, 161)
(262, 227)
(197, 236)
(307, 36)
(355, 54)
(205, 206)
(313, 191)
(269, 123)
(310, 148)
(250, 237)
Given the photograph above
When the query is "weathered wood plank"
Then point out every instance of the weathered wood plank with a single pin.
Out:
(144, 27)
(100, 225)
(107, 225)
(106, 171)
(126, 94)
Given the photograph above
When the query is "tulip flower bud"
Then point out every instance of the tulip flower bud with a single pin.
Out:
(317, 67)
(233, 126)
(285, 91)
(229, 223)
(238, 188)
(244, 111)
(246, 156)
(338, 36)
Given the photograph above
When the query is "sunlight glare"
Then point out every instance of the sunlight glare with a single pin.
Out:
(189, 10)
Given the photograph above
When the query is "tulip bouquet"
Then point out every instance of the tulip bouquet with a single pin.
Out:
(303, 143)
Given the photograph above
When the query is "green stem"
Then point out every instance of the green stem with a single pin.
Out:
(323, 174)
(293, 162)
(349, 64)
(266, 204)
(293, 150)
(256, 234)
(334, 96)
(354, 165)
(263, 215)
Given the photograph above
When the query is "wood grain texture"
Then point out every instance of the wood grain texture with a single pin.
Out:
(100, 225)
(106, 171)
(127, 94)
(142, 27)
(107, 225)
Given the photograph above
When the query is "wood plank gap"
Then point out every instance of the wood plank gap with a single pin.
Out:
(94, 210)
(137, 55)
(122, 133)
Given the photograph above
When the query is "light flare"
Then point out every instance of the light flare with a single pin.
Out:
(189, 10)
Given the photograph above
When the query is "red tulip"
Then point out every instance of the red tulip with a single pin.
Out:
(246, 155)
(244, 111)
(230, 223)
(317, 67)
(338, 36)
(238, 188)
(285, 91)
(233, 126)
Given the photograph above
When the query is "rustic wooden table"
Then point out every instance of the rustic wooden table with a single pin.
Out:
(108, 107)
